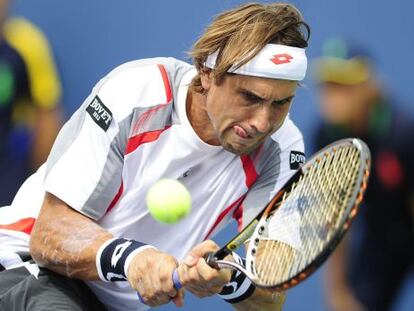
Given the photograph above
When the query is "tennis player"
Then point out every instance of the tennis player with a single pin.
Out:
(78, 234)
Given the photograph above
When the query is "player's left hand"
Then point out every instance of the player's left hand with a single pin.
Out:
(197, 276)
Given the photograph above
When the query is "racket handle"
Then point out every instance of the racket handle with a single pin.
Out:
(140, 299)
(211, 259)
(176, 282)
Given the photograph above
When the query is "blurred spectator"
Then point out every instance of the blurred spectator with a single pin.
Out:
(371, 264)
(29, 94)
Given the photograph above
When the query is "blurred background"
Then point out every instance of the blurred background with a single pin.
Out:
(89, 38)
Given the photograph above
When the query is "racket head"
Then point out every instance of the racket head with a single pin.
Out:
(322, 200)
(240, 239)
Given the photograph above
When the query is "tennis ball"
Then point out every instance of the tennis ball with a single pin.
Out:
(168, 201)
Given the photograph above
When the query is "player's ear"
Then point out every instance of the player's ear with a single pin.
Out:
(206, 77)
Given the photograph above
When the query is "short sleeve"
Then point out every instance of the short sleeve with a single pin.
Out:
(84, 168)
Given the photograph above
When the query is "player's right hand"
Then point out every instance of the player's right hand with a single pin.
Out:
(150, 274)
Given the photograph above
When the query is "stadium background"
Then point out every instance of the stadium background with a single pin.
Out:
(91, 37)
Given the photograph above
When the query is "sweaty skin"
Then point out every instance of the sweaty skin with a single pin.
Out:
(65, 241)
(241, 111)
(239, 114)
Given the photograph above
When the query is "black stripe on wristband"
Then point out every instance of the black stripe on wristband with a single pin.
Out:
(112, 258)
(240, 287)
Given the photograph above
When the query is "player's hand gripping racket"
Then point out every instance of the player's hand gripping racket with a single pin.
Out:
(303, 223)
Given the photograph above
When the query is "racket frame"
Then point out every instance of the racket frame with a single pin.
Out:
(216, 259)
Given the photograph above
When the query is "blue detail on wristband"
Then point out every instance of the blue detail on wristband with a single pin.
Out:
(141, 300)
(176, 280)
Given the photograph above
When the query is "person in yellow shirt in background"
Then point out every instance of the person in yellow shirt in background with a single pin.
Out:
(30, 91)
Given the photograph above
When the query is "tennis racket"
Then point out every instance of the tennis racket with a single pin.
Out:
(303, 223)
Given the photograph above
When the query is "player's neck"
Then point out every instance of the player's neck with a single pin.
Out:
(198, 117)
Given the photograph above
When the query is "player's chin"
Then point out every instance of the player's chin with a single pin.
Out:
(240, 147)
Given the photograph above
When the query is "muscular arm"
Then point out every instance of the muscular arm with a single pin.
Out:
(337, 289)
(203, 280)
(65, 241)
(263, 299)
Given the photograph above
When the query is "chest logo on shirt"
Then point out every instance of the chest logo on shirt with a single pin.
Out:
(296, 159)
(100, 113)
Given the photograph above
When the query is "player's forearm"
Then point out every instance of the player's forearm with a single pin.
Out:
(65, 241)
(336, 267)
(262, 300)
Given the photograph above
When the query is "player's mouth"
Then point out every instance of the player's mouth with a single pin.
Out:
(241, 132)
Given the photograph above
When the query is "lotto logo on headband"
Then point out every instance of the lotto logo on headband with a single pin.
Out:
(279, 59)
(293, 59)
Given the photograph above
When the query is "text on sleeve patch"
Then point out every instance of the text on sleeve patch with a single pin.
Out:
(296, 159)
(100, 113)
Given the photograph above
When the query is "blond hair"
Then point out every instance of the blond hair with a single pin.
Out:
(239, 34)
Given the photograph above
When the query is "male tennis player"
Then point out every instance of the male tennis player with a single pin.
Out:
(220, 127)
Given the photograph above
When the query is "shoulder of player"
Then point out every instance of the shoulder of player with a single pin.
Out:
(289, 136)
(281, 146)
(141, 83)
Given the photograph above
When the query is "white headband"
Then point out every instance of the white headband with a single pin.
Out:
(273, 61)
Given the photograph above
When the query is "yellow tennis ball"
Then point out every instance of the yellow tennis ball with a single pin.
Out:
(168, 201)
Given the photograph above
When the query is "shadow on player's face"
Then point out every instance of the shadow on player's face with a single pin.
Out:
(244, 110)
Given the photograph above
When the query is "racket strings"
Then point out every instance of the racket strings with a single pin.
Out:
(335, 183)
(319, 200)
(272, 265)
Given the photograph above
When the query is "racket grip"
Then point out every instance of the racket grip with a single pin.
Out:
(176, 282)
(140, 299)
(211, 259)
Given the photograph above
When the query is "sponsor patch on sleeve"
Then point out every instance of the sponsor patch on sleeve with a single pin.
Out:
(100, 113)
(296, 159)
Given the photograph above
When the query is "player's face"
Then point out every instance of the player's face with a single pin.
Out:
(245, 110)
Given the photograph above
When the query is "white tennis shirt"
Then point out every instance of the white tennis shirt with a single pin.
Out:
(130, 132)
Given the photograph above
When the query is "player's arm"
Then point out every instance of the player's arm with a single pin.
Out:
(69, 243)
(65, 241)
(263, 299)
(338, 291)
(202, 280)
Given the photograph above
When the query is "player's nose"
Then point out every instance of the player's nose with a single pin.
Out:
(261, 119)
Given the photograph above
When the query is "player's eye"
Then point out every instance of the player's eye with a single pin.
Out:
(252, 98)
(283, 102)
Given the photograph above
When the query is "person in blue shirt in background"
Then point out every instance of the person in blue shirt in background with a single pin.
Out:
(369, 267)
